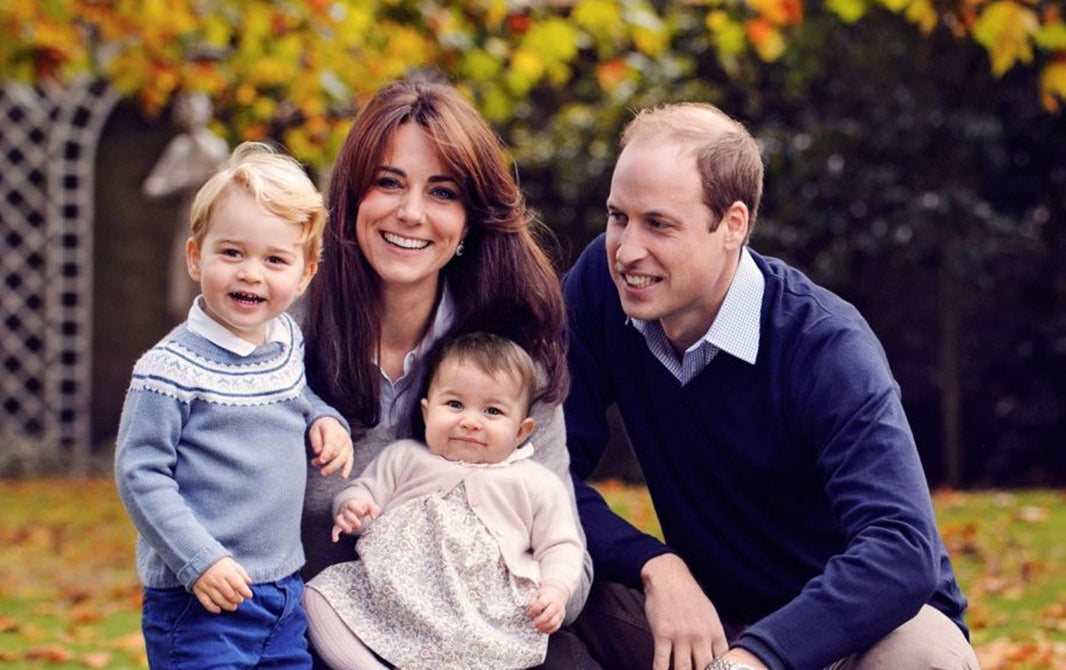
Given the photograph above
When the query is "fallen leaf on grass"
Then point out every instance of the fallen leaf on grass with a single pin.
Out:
(8, 625)
(1003, 499)
(96, 659)
(50, 654)
(1033, 514)
(85, 613)
(76, 594)
(949, 498)
(129, 642)
(961, 538)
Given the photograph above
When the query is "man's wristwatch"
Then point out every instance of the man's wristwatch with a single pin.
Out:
(722, 663)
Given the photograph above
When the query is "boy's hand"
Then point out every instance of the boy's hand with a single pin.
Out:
(332, 446)
(548, 606)
(350, 517)
(223, 586)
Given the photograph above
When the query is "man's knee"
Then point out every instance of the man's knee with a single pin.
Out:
(929, 641)
(612, 629)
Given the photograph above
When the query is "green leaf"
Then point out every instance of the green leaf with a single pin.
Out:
(1051, 36)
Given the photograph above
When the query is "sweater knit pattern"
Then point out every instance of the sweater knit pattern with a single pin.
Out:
(175, 370)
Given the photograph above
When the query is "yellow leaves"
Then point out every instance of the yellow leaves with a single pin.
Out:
(650, 34)
(554, 40)
(849, 11)
(480, 65)
(246, 93)
(896, 5)
(602, 19)
(922, 13)
(728, 35)
(526, 70)
(1053, 85)
(354, 25)
(1005, 29)
(268, 69)
(496, 105)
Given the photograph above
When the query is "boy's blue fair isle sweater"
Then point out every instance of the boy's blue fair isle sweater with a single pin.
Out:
(211, 459)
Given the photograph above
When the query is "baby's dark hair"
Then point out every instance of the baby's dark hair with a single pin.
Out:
(492, 354)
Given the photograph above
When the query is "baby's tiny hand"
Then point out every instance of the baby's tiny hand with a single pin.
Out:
(548, 606)
(332, 445)
(350, 517)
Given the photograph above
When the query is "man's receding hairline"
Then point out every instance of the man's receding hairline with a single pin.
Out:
(684, 124)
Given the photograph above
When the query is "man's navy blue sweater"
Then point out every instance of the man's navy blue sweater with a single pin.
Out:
(792, 487)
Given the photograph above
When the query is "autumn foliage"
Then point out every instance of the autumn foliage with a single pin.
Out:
(295, 69)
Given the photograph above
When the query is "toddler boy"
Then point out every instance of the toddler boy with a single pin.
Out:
(211, 459)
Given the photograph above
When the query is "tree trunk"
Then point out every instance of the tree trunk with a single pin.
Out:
(951, 440)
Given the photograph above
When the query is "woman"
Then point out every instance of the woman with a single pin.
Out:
(429, 237)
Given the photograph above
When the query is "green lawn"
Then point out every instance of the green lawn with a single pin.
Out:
(69, 596)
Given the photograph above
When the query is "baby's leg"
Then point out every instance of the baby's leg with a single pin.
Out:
(335, 643)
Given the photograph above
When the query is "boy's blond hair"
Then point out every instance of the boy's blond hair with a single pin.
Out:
(277, 182)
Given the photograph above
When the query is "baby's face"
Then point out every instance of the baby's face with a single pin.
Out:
(474, 416)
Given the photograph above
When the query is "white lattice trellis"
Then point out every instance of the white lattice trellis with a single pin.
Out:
(48, 140)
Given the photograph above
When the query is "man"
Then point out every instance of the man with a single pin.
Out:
(799, 529)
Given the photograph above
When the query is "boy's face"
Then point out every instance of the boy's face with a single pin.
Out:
(251, 265)
(474, 416)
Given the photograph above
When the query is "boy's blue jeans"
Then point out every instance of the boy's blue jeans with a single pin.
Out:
(267, 631)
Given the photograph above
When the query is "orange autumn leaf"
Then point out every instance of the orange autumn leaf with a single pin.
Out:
(766, 38)
(50, 654)
(611, 73)
(778, 12)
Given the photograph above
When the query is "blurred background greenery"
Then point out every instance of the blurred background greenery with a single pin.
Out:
(914, 151)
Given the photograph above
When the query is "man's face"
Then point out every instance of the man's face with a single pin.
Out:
(665, 261)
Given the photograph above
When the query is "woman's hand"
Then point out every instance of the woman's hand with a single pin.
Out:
(223, 586)
(548, 606)
(350, 518)
(332, 446)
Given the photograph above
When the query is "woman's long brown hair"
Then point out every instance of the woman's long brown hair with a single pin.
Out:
(503, 283)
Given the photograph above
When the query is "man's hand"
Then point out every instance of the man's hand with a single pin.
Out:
(547, 607)
(350, 517)
(223, 586)
(332, 446)
(684, 623)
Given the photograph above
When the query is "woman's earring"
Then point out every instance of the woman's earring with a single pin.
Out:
(460, 249)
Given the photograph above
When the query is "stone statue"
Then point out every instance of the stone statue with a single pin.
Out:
(185, 165)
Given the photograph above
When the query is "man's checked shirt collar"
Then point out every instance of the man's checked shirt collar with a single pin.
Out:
(735, 330)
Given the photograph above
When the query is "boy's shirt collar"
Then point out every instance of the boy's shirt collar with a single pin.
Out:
(214, 332)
